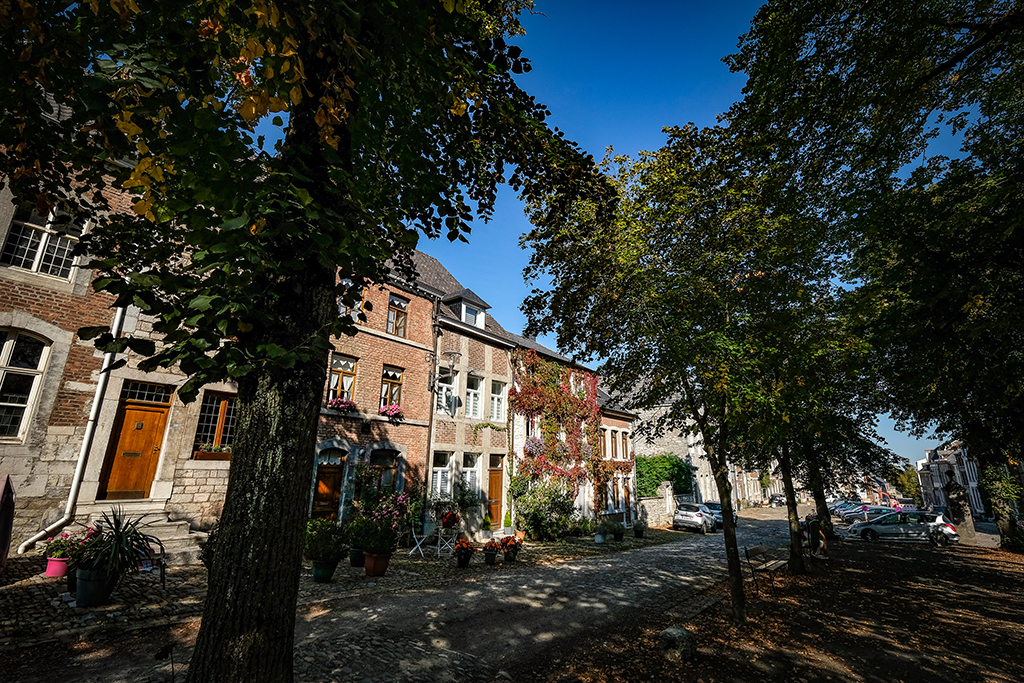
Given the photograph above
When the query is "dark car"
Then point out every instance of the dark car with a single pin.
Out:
(777, 499)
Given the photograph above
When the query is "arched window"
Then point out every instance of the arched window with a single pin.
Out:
(22, 360)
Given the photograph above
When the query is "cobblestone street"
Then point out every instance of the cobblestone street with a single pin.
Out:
(438, 622)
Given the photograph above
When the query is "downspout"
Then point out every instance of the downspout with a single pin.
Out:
(435, 328)
(83, 453)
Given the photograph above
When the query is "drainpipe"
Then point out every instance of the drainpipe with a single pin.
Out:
(435, 328)
(83, 453)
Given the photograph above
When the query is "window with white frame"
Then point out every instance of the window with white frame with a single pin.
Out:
(497, 401)
(22, 359)
(34, 244)
(470, 478)
(615, 447)
(440, 474)
(470, 315)
(625, 445)
(473, 396)
(447, 390)
(604, 444)
(343, 377)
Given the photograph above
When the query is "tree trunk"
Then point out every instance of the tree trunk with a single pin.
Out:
(796, 538)
(818, 488)
(248, 626)
(720, 468)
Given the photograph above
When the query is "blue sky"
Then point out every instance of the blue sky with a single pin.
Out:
(612, 74)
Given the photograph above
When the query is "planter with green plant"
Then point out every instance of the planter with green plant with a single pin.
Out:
(617, 530)
(603, 531)
(491, 549)
(324, 546)
(118, 548)
(639, 528)
(377, 539)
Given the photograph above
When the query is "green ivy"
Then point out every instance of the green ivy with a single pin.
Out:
(652, 470)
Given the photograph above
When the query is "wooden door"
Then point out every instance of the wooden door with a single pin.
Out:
(494, 481)
(327, 493)
(131, 462)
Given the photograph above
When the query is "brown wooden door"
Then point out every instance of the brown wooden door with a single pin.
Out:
(131, 462)
(494, 481)
(327, 494)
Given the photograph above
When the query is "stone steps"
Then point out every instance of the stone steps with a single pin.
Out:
(180, 541)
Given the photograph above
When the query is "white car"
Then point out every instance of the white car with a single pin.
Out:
(693, 516)
(912, 527)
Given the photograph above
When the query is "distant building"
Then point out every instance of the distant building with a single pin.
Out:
(932, 473)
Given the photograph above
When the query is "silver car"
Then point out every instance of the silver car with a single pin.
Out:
(693, 516)
(716, 510)
(912, 527)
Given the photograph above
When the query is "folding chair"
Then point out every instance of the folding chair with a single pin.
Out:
(446, 541)
(419, 540)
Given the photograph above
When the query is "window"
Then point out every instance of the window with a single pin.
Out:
(625, 445)
(470, 478)
(32, 244)
(397, 309)
(471, 316)
(391, 386)
(384, 463)
(615, 448)
(21, 364)
(531, 425)
(497, 401)
(215, 433)
(440, 474)
(447, 386)
(343, 377)
(473, 396)
(604, 444)
(148, 393)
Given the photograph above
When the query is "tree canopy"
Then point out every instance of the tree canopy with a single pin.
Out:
(402, 119)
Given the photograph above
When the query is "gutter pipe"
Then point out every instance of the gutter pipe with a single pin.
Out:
(83, 453)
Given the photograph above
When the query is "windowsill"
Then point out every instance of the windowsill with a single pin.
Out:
(30, 277)
(211, 455)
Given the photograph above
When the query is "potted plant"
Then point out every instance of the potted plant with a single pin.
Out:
(119, 548)
(511, 546)
(463, 552)
(491, 549)
(357, 530)
(57, 552)
(602, 531)
(377, 539)
(324, 547)
(639, 528)
(449, 520)
(393, 413)
(507, 522)
(617, 530)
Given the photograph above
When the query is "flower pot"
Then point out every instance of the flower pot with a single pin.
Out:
(323, 570)
(617, 535)
(489, 556)
(599, 538)
(56, 566)
(94, 587)
(376, 563)
(510, 556)
(356, 557)
(463, 560)
(521, 535)
(447, 525)
(638, 532)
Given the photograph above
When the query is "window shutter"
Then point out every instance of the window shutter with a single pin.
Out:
(445, 482)
(471, 481)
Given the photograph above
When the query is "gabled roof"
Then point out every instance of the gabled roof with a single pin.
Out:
(466, 295)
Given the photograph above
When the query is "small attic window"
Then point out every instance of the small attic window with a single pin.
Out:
(472, 316)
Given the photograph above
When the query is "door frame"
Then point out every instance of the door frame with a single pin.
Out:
(123, 405)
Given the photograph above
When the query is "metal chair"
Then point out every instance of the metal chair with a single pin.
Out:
(446, 539)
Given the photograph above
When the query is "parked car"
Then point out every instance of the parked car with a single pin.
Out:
(776, 499)
(873, 511)
(694, 517)
(716, 510)
(913, 527)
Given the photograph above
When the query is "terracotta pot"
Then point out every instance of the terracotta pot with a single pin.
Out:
(521, 535)
(56, 566)
(376, 564)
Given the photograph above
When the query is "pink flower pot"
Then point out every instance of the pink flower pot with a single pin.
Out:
(56, 566)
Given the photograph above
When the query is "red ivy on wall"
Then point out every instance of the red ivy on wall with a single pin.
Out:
(565, 400)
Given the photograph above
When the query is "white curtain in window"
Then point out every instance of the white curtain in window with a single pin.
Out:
(473, 397)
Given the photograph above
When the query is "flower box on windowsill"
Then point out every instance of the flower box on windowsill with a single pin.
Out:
(211, 455)
(342, 405)
(393, 413)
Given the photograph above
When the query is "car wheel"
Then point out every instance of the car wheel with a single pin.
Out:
(870, 535)
(703, 528)
(942, 539)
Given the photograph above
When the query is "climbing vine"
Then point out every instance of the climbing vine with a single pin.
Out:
(563, 400)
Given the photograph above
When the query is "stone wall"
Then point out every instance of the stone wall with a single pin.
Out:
(657, 510)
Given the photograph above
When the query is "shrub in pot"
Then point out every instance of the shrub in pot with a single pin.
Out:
(617, 530)
(639, 528)
(377, 538)
(118, 548)
(602, 531)
(324, 546)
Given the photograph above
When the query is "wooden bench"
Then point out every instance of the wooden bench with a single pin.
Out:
(760, 562)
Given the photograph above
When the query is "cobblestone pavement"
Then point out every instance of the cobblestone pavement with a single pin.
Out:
(424, 621)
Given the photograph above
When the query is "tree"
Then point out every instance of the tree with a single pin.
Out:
(854, 93)
(400, 117)
(686, 293)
